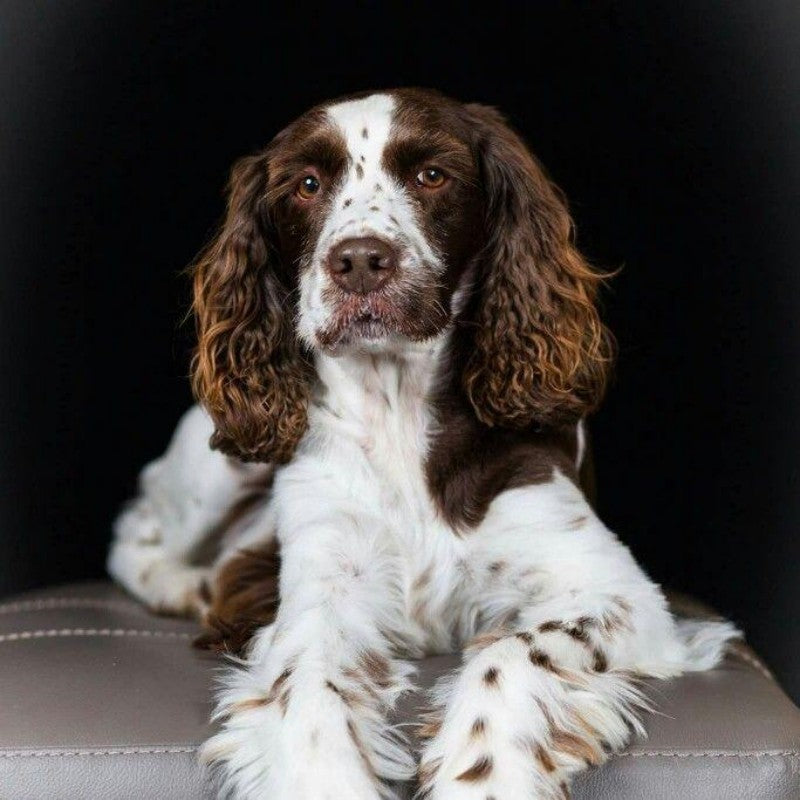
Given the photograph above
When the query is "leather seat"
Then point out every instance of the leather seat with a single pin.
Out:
(101, 699)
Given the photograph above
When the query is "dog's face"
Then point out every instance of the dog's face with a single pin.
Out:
(376, 221)
(377, 213)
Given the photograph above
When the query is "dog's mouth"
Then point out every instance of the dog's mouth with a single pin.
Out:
(369, 326)
(361, 319)
(384, 315)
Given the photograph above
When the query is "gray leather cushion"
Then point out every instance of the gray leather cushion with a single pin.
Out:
(101, 699)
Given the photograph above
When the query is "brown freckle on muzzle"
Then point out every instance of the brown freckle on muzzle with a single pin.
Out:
(359, 171)
(364, 133)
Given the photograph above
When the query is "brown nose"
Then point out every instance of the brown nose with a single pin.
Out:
(362, 265)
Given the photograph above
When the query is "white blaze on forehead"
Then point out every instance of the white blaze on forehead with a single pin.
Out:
(370, 201)
(366, 124)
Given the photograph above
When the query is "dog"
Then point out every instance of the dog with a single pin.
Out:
(398, 347)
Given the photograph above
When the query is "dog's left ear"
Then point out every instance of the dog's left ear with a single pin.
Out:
(541, 354)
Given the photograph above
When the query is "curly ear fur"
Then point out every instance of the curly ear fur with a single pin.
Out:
(541, 354)
(248, 370)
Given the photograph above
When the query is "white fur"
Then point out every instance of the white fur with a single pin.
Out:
(357, 531)
(371, 570)
(165, 537)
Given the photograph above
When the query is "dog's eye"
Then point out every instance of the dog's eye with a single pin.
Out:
(431, 178)
(309, 185)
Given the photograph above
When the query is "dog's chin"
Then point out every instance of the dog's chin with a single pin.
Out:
(365, 331)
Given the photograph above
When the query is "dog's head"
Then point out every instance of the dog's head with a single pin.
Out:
(377, 221)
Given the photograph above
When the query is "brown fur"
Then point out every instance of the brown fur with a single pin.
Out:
(478, 771)
(248, 371)
(244, 599)
(541, 352)
(574, 746)
(491, 676)
(530, 356)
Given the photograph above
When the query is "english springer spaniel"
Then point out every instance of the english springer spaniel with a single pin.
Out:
(397, 347)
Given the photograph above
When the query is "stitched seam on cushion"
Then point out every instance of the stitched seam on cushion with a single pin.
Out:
(133, 751)
(709, 754)
(167, 750)
(46, 604)
(55, 633)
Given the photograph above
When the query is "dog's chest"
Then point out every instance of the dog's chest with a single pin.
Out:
(389, 420)
(398, 420)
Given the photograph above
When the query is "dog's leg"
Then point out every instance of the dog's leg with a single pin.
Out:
(305, 715)
(550, 688)
(166, 538)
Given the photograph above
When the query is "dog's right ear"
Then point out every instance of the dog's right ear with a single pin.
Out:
(248, 370)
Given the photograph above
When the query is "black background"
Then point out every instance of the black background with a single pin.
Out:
(673, 128)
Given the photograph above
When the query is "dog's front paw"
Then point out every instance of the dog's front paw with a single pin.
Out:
(300, 740)
(250, 763)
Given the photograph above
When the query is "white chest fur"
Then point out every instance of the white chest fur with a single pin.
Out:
(370, 424)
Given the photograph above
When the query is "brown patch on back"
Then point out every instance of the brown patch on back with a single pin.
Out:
(470, 464)
(479, 771)
(600, 661)
(551, 625)
(541, 659)
(491, 676)
(478, 728)
(578, 633)
(244, 599)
